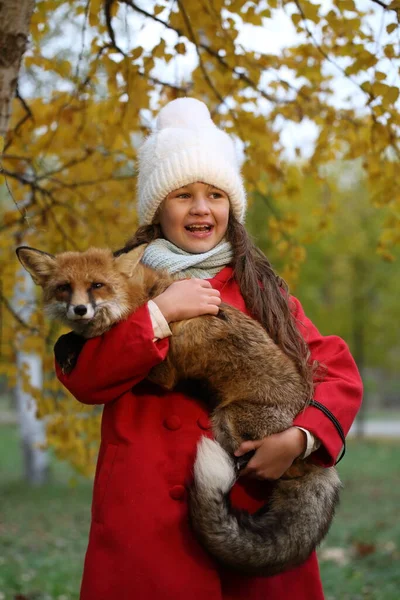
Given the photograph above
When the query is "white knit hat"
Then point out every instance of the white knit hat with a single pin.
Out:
(187, 147)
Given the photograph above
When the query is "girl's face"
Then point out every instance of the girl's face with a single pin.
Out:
(195, 217)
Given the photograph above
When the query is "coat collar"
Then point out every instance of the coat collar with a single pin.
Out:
(224, 275)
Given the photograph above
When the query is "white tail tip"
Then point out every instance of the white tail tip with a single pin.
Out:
(214, 469)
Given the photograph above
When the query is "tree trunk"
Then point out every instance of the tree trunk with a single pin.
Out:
(15, 16)
(32, 430)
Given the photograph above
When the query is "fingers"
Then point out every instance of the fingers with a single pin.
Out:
(211, 292)
(203, 283)
(256, 470)
(210, 306)
(214, 300)
(274, 455)
(207, 289)
(188, 298)
(200, 285)
(211, 309)
(247, 446)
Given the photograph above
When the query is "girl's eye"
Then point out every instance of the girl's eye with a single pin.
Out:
(186, 195)
(97, 285)
(216, 195)
(63, 287)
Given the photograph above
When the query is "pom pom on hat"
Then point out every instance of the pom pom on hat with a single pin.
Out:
(187, 113)
(187, 147)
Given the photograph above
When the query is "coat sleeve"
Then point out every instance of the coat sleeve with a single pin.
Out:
(111, 364)
(340, 389)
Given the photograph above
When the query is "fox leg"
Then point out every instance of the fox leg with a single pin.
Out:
(164, 374)
(67, 350)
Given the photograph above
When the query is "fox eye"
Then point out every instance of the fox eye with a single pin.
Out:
(63, 287)
(97, 285)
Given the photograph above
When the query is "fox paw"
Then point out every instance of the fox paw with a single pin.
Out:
(67, 350)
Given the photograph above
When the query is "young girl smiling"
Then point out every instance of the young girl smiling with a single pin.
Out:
(191, 206)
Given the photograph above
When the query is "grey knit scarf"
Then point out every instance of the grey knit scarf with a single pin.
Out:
(162, 254)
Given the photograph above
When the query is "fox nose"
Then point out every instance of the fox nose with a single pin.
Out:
(80, 310)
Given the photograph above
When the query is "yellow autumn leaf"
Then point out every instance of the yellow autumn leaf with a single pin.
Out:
(346, 5)
(136, 52)
(95, 10)
(158, 10)
(392, 94)
(159, 50)
(180, 48)
(296, 18)
(380, 76)
(310, 10)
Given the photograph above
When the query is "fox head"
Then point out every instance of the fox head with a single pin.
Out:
(87, 291)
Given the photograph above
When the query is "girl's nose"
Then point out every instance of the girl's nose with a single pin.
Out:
(200, 205)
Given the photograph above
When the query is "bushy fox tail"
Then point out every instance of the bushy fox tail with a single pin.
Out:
(277, 537)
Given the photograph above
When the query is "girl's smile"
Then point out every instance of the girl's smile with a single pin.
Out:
(195, 217)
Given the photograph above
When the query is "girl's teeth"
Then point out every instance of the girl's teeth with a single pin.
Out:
(199, 228)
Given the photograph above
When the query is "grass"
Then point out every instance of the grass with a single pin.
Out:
(43, 531)
(365, 536)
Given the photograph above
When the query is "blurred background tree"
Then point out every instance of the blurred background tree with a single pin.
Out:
(328, 214)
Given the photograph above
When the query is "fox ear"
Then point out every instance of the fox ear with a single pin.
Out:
(127, 263)
(38, 264)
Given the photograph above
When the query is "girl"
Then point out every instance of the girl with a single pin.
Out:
(191, 203)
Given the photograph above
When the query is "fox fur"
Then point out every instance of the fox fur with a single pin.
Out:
(256, 391)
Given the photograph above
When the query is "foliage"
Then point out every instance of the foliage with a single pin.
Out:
(97, 72)
(343, 282)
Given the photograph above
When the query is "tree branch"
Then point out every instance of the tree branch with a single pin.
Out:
(16, 315)
(386, 6)
(67, 165)
(28, 115)
(107, 13)
(85, 23)
(34, 187)
(241, 76)
(150, 16)
(202, 66)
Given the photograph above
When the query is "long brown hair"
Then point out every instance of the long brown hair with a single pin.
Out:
(266, 295)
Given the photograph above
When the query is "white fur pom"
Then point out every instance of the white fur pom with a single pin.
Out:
(185, 113)
(214, 468)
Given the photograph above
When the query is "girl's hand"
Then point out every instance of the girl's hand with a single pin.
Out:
(274, 454)
(188, 298)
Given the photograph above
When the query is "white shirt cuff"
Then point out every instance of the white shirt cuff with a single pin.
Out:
(160, 325)
(312, 443)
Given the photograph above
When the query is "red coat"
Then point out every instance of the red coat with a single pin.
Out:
(141, 546)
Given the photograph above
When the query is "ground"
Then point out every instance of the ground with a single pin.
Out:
(43, 532)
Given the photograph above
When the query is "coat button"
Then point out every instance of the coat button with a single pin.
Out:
(177, 492)
(204, 422)
(173, 422)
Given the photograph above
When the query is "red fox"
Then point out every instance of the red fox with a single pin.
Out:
(256, 390)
